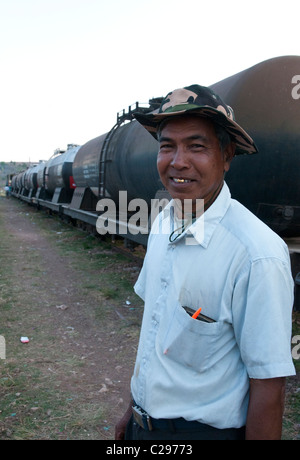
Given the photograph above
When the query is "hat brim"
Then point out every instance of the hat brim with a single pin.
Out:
(244, 143)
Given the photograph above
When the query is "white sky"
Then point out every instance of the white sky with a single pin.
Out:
(68, 66)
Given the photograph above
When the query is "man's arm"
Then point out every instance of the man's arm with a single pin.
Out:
(121, 425)
(265, 412)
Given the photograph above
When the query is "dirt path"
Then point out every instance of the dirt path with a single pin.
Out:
(86, 359)
(71, 381)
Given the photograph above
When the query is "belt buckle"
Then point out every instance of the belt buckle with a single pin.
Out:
(142, 418)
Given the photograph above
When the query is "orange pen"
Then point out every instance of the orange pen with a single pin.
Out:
(197, 313)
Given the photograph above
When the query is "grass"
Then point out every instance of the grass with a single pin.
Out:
(41, 393)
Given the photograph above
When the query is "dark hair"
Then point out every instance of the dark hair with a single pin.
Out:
(223, 136)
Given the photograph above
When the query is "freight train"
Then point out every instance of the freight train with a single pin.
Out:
(266, 101)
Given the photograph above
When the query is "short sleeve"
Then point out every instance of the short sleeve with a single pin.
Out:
(262, 318)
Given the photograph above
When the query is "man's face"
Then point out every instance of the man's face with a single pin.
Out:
(190, 162)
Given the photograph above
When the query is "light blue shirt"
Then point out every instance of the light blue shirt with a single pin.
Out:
(238, 272)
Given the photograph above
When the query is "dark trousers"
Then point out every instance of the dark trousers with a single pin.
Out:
(201, 432)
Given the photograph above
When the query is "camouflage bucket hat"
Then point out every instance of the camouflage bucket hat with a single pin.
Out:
(202, 101)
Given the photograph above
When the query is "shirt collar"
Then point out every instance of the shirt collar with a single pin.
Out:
(203, 228)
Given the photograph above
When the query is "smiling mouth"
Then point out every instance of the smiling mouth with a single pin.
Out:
(179, 180)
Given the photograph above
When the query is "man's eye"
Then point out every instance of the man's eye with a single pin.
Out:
(196, 146)
(165, 146)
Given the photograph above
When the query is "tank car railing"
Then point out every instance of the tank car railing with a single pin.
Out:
(132, 109)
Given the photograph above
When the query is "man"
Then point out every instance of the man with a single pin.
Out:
(220, 375)
(6, 188)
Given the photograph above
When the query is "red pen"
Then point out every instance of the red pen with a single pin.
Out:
(197, 313)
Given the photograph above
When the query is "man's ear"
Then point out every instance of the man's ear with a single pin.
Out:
(228, 155)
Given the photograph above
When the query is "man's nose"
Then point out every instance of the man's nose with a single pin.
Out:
(180, 159)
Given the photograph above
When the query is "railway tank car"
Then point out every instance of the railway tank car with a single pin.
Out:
(58, 176)
(266, 103)
(41, 171)
(30, 180)
(266, 183)
(123, 159)
(54, 179)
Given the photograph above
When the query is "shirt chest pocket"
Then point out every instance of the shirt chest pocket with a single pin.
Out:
(191, 342)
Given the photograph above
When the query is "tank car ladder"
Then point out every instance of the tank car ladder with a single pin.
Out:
(103, 160)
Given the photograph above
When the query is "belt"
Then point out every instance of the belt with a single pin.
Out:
(149, 423)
